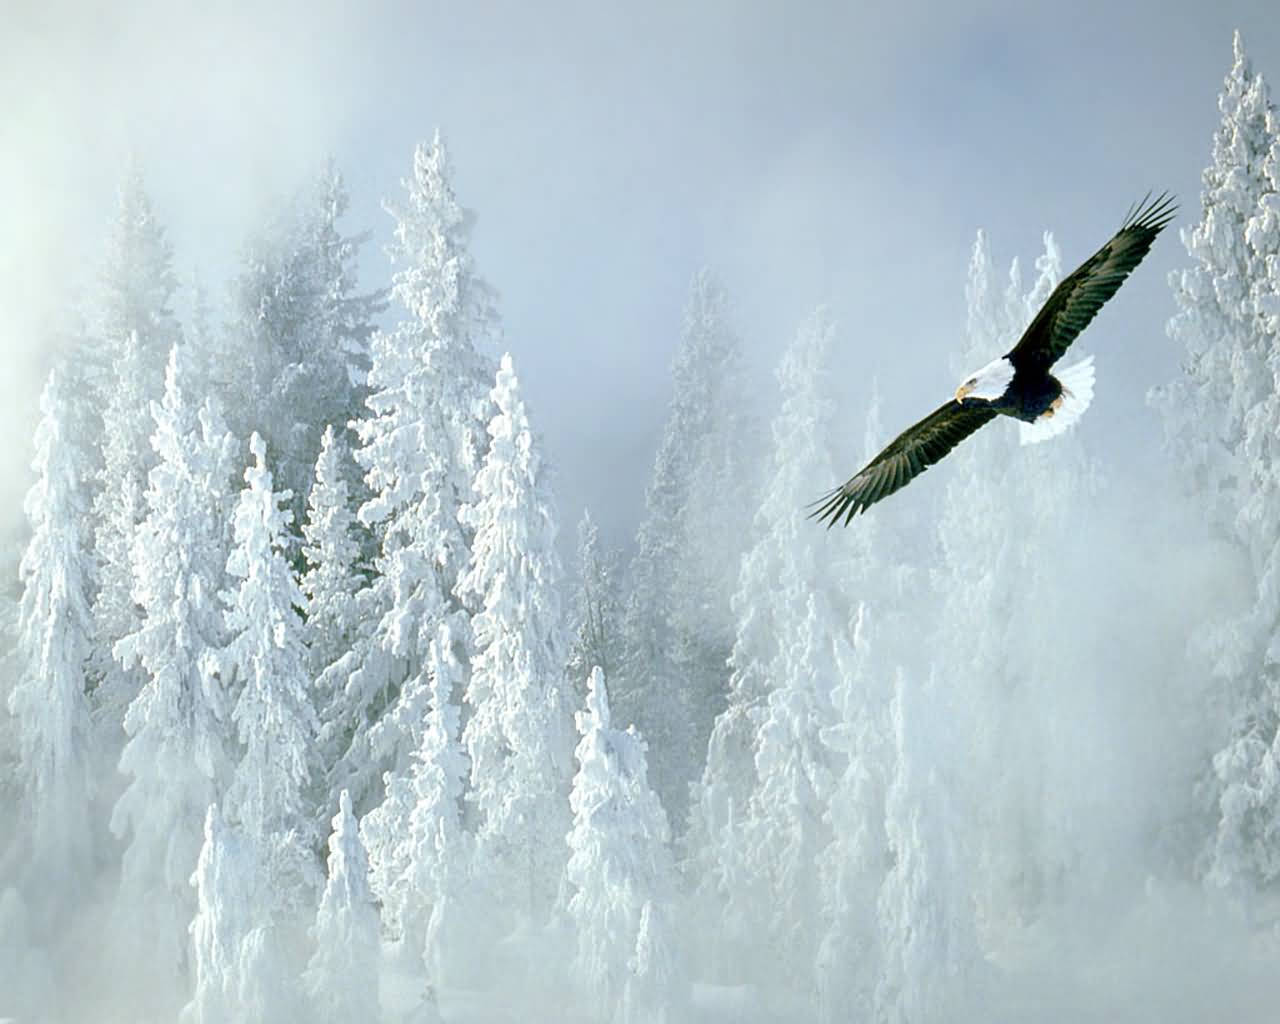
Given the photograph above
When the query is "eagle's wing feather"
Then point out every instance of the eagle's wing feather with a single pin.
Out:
(1076, 301)
(903, 459)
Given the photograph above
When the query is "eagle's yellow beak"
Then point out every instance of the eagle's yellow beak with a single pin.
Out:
(963, 390)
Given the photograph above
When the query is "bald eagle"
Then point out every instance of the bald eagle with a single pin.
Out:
(1019, 383)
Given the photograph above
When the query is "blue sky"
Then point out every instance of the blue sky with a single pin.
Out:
(838, 153)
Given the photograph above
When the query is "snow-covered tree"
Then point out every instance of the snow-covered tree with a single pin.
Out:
(678, 625)
(137, 328)
(418, 849)
(273, 714)
(177, 756)
(304, 327)
(1220, 415)
(620, 872)
(332, 553)
(119, 507)
(596, 608)
(927, 946)
(237, 974)
(137, 288)
(518, 733)
(1224, 345)
(420, 444)
(55, 628)
(851, 868)
(758, 824)
(341, 978)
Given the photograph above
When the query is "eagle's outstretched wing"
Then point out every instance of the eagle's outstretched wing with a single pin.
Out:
(1078, 298)
(903, 459)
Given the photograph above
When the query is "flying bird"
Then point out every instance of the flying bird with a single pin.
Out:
(1019, 383)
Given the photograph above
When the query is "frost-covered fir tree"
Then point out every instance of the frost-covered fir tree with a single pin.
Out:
(341, 979)
(678, 626)
(928, 950)
(338, 626)
(54, 634)
(1220, 417)
(305, 329)
(176, 757)
(1224, 348)
(596, 608)
(236, 973)
(518, 733)
(851, 868)
(331, 549)
(420, 442)
(620, 873)
(119, 507)
(419, 851)
(273, 713)
(758, 824)
(137, 327)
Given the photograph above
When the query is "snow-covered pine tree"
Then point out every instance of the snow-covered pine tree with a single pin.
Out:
(678, 626)
(596, 608)
(620, 872)
(54, 635)
(758, 824)
(236, 974)
(273, 714)
(851, 868)
(331, 549)
(341, 979)
(1224, 348)
(418, 850)
(177, 756)
(305, 329)
(420, 444)
(518, 733)
(334, 582)
(1220, 417)
(928, 951)
(118, 509)
(137, 328)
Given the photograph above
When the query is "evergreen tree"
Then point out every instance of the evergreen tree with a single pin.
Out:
(55, 628)
(137, 328)
(678, 625)
(596, 608)
(420, 441)
(758, 824)
(927, 947)
(273, 714)
(418, 849)
(620, 872)
(1234, 330)
(305, 328)
(517, 737)
(341, 979)
(848, 962)
(1224, 345)
(237, 975)
(119, 507)
(176, 756)
(332, 553)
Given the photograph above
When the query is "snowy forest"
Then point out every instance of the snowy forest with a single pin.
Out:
(315, 706)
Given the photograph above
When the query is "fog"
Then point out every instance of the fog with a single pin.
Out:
(823, 153)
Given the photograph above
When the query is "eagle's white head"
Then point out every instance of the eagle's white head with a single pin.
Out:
(989, 383)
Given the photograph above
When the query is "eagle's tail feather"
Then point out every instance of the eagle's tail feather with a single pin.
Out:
(1077, 393)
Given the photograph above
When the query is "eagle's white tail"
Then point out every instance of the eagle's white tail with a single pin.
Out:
(1077, 393)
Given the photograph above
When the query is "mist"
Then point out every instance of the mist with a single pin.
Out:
(1059, 643)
